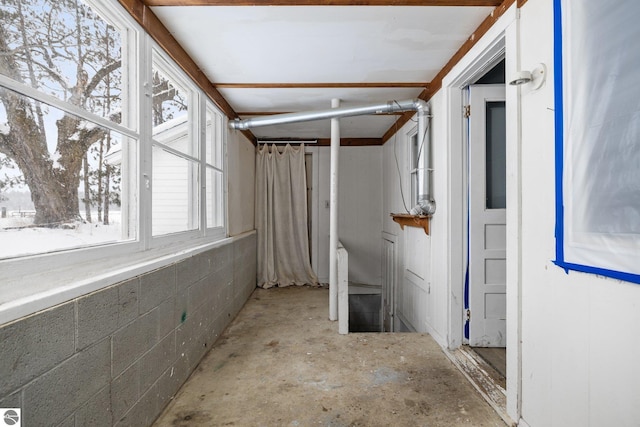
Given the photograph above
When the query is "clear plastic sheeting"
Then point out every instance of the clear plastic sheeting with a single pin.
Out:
(598, 131)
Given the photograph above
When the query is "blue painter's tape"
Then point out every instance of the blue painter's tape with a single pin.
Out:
(466, 274)
(559, 124)
(627, 277)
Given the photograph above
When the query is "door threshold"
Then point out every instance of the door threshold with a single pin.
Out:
(483, 377)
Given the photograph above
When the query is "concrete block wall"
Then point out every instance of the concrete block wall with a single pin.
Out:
(116, 357)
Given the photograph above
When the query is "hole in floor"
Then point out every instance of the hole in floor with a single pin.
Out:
(364, 312)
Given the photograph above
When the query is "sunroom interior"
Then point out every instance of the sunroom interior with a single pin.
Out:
(132, 227)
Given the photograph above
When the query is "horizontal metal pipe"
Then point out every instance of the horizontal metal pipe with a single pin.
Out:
(361, 110)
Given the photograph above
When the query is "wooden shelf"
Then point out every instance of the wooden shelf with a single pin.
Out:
(420, 221)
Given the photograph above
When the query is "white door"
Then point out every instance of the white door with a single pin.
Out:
(487, 216)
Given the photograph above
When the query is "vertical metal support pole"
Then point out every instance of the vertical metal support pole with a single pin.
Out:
(333, 216)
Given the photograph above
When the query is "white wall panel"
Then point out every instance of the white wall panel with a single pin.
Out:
(359, 211)
(579, 351)
(241, 160)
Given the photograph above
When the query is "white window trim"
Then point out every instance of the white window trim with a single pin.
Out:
(413, 171)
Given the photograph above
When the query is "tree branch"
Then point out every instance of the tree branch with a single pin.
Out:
(101, 74)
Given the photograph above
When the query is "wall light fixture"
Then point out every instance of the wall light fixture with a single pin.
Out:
(535, 78)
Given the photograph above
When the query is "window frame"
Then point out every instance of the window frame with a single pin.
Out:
(62, 274)
(413, 151)
(160, 59)
(221, 138)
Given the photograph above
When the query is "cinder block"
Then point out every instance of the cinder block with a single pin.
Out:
(166, 317)
(143, 413)
(128, 301)
(52, 397)
(165, 388)
(125, 391)
(181, 369)
(200, 293)
(156, 287)
(220, 257)
(191, 339)
(97, 316)
(156, 361)
(33, 345)
(181, 310)
(224, 275)
(133, 340)
(97, 411)
(192, 270)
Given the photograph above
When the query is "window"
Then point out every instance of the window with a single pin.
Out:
(214, 168)
(175, 160)
(414, 158)
(86, 164)
(63, 123)
(418, 168)
(597, 135)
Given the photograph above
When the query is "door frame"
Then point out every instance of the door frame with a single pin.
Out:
(501, 40)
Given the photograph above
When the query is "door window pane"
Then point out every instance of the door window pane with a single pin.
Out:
(496, 180)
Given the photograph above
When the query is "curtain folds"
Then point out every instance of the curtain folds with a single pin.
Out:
(281, 218)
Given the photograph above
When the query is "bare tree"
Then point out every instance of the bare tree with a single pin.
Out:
(53, 46)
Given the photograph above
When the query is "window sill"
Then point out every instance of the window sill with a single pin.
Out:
(420, 221)
(29, 294)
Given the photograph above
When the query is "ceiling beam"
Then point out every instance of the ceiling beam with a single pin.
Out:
(272, 113)
(326, 142)
(436, 84)
(491, 3)
(320, 85)
(351, 142)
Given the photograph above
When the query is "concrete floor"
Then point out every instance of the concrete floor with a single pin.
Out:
(282, 363)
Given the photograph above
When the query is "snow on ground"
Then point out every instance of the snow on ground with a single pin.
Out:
(37, 240)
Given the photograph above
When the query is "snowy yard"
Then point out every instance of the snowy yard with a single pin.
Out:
(15, 241)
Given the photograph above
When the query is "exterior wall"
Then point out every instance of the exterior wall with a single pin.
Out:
(360, 211)
(118, 355)
(241, 173)
(579, 346)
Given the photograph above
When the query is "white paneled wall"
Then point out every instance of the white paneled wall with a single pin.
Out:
(579, 347)
(421, 302)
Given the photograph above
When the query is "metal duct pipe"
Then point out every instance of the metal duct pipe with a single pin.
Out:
(425, 203)
(362, 110)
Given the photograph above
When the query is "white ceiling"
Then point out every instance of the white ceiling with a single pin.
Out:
(306, 45)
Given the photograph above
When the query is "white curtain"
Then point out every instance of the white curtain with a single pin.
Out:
(281, 218)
